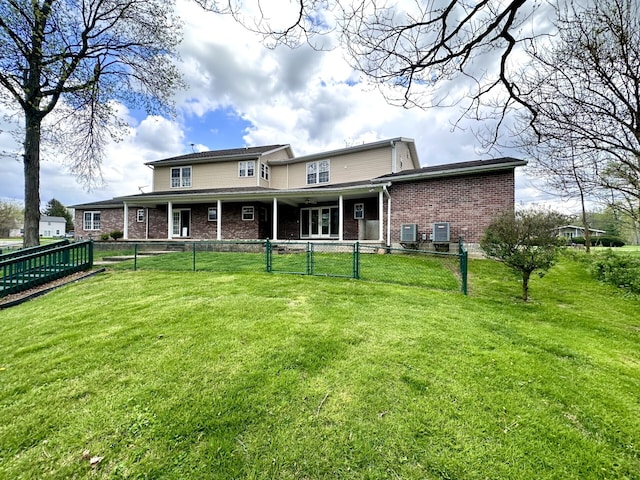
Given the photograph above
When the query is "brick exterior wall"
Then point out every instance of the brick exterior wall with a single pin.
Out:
(468, 203)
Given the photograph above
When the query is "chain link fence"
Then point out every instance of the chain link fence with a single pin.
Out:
(429, 269)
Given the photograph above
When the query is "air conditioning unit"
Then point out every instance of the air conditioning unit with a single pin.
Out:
(409, 232)
(441, 232)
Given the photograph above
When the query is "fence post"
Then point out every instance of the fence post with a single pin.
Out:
(309, 258)
(356, 260)
(135, 257)
(462, 252)
(267, 255)
(194, 256)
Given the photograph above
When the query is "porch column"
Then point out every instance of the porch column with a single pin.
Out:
(219, 220)
(125, 233)
(388, 219)
(380, 216)
(169, 220)
(340, 218)
(275, 219)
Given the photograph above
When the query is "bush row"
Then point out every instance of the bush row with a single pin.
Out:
(602, 240)
(622, 271)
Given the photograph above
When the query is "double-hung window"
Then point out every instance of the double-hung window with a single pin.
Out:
(246, 169)
(140, 215)
(180, 177)
(318, 172)
(92, 220)
(264, 171)
(212, 214)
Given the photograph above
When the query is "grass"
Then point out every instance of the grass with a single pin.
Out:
(432, 271)
(248, 375)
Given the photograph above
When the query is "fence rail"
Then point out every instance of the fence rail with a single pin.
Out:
(28, 268)
(430, 269)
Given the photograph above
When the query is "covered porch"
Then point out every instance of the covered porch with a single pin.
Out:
(348, 213)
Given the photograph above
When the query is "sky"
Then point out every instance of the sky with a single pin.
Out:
(240, 93)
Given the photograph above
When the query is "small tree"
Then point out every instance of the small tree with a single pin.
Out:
(10, 213)
(56, 209)
(525, 241)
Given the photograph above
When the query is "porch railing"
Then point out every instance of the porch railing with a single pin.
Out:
(35, 266)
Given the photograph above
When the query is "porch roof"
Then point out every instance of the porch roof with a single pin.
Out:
(297, 195)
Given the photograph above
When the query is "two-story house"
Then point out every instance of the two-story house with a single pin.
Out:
(375, 192)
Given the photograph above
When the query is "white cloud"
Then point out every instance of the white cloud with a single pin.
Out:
(310, 99)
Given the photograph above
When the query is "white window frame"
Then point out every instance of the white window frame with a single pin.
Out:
(264, 171)
(212, 214)
(247, 168)
(248, 213)
(140, 215)
(358, 211)
(181, 180)
(318, 172)
(91, 223)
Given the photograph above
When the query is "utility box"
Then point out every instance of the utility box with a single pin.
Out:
(441, 232)
(409, 232)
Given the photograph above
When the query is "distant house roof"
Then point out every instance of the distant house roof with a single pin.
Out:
(246, 153)
(47, 218)
(577, 227)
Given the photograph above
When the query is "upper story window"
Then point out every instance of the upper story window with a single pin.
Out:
(180, 177)
(264, 171)
(318, 172)
(246, 169)
(92, 220)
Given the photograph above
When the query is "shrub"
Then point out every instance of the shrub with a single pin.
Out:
(621, 271)
(104, 237)
(601, 241)
(116, 234)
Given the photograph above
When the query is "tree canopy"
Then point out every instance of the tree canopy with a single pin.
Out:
(79, 58)
(526, 241)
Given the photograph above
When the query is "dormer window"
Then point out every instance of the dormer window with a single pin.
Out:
(246, 169)
(180, 177)
(318, 172)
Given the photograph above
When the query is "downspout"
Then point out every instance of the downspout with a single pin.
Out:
(384, 189)
(394, 159)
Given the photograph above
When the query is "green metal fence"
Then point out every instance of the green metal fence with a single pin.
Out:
(28, 268)
(430, 269)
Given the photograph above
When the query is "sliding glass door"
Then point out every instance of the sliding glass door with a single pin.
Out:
(319, 222)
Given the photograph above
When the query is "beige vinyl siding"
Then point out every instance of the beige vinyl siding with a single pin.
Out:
(206, 175)
(344, 168)
(404, 160)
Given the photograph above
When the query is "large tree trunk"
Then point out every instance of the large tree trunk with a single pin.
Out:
(32, 179)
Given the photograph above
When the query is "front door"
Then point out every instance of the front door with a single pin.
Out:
(181, 223)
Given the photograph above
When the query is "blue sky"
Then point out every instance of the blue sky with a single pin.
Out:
(242, 94)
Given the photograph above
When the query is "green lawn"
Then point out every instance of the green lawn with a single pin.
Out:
(184, 375)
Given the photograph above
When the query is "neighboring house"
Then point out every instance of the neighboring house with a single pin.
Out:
(375, 192)
(570, 231)
(52, 226)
